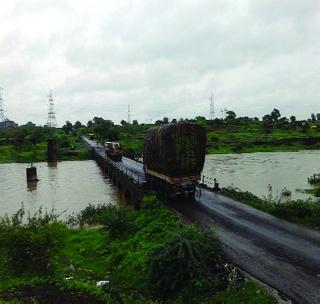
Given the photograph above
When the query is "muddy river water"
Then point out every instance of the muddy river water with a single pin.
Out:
(68, 185)
(72, 185)
(255, 171)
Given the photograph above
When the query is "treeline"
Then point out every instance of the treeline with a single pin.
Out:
(105, 128)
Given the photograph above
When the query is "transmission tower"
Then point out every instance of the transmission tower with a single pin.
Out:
(212, 109)
(51, 123)
(129, 115)
(2, 116)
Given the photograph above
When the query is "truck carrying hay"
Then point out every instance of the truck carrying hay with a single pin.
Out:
(175, 151)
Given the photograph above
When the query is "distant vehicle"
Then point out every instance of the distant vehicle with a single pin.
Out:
(173, 158)
(113, 150)
(91, 136)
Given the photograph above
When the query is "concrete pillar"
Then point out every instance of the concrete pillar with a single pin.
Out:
(32, 174)
(52, 150)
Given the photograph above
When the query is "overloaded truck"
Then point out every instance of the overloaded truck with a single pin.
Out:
(113, 150)
(173, 158)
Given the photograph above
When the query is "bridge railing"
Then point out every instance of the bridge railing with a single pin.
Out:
(127, 172)
(206, 180)
(99, 149)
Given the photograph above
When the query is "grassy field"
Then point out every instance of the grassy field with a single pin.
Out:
(237, 138)
(253, 138)
(148, 256)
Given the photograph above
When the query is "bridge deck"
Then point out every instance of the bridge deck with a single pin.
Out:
(284, 255)
(127, 163)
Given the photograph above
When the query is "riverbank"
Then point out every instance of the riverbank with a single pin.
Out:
(29, 144)
(305, 212)
(148, 256)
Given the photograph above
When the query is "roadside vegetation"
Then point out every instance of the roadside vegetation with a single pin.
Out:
(305, 212)
(112, 254)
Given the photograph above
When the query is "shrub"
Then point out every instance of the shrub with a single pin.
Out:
(150, 202)
(117, 220)
(314, 179)
(189, 256)
(33, 245)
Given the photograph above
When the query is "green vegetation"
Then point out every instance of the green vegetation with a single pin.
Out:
(314, 179)
(148, 256)
(27, 143)
(229, 135)
(300, 211)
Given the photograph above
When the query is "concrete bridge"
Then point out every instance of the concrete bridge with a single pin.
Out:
(127, 174)
(283, 255)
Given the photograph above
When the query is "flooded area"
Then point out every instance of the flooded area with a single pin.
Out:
(68, 185)
(255, 171)
(71, 185)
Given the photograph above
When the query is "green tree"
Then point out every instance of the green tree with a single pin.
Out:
(68, 127)
(231, 115)
(275, 114)
(78, 125)
(165, 120)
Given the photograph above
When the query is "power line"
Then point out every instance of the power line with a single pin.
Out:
(2, 116)
(129, 115)
(212, 107)
(51, 122)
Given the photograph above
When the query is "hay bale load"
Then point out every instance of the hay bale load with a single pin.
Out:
(175, 149)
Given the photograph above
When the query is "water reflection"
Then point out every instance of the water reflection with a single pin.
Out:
(32, 186)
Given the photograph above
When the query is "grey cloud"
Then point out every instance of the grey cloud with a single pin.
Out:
(163, 57)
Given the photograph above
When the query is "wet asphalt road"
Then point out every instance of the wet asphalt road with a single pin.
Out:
(281, 254)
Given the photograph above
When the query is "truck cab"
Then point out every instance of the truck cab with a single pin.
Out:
(113, 150)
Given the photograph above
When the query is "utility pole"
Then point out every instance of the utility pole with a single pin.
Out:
(212, 108)
(51, 122)
(2, 116)
(129, 115)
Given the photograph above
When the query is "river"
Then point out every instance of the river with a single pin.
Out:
(68, 185)
(72, 185)
(253, 172)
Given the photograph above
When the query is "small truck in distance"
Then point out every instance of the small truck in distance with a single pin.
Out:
(113, 150)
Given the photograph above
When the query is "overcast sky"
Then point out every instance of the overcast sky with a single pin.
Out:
(164, 58)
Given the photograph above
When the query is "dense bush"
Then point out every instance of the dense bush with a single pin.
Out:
(189, 257)
(314, 179)
(116, 219)
(31, 245)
